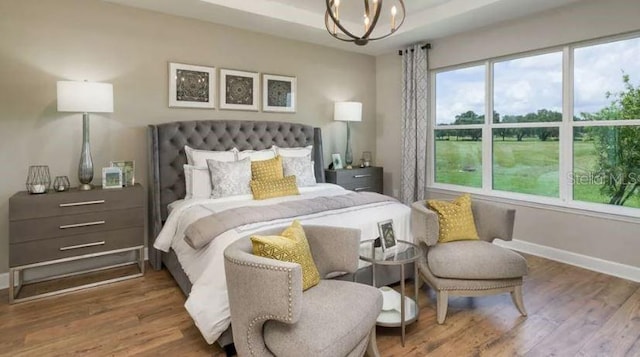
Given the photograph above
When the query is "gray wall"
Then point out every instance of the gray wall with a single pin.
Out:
(42, 42)
(597, 237)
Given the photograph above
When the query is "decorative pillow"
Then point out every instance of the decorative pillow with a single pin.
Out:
(200, 157)
(291, 246)
(455, 219)
(274, 188)
(265, 170)
(294, 152)
(229, 178)
(254, 155)
(300, 167)
(197, 182)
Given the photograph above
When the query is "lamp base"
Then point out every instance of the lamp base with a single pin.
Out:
(85, 187)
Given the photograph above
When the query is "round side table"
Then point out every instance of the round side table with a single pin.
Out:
(401, 254)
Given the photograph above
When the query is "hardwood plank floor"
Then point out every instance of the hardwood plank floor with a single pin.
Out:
(572, 312)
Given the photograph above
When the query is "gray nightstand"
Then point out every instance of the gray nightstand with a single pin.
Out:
(60, 227)
(357, 179)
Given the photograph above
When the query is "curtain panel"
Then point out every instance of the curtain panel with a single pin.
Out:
(414, 123)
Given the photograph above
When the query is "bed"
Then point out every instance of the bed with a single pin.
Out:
(197, 272)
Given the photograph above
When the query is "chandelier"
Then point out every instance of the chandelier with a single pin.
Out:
(372, 12)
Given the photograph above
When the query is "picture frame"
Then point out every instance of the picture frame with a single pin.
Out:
(128, 168)
(239, 90)
(336, 160)
(191, 86)
(387, 235)
(111, 177)
(279, 93)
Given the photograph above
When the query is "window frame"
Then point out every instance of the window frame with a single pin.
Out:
(565, 201)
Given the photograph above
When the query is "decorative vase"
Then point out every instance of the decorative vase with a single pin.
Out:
(61, 183)
(39, 179)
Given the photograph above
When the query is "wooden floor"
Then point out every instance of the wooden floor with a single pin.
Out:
(571, 312)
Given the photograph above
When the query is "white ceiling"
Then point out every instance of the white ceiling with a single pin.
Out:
(304, 19)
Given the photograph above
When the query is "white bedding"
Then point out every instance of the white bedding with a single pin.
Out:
(208, 303)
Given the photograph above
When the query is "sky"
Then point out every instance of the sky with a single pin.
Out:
(525, 85)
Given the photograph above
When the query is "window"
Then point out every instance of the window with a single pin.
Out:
(460, 103)
(575, 143)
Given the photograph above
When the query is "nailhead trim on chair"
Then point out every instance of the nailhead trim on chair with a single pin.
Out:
(266, 317)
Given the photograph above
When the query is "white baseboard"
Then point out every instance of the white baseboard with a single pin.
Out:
(4, 277)
(583, 261)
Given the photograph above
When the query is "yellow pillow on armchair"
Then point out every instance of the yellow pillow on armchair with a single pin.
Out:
(455, 219)
(290, 246)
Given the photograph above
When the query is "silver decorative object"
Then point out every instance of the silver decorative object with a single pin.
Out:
(85, 168)
(38, 179)
(61, 183)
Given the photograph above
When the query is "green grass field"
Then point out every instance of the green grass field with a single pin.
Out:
(529, 166)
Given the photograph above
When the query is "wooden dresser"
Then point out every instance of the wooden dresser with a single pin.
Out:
(357, 179)
(60, 227)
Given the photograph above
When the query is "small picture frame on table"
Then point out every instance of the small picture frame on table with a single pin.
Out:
(111, 177)
(336, 160)
(128, 171)
(387, 235)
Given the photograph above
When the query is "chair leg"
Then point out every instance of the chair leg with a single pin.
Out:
(516, 296)
(442, 301)
(372, 346)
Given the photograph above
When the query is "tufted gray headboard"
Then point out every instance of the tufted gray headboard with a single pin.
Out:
(166, 155)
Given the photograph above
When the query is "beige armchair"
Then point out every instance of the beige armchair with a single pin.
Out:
(270, 315)
(471, 267)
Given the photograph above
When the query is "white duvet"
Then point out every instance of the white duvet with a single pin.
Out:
(207, 303)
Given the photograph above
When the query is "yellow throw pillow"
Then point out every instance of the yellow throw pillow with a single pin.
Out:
(270, 169)
(263, 189)
(455, 219)
(291, 246)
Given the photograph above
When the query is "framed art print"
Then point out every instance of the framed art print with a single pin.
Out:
(128, 171)
(239, 90)
(111, 177)
(191, 86)
(387, 234)
(336, 161)
(278, 93)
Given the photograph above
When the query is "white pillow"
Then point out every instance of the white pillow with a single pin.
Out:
(230, 178)
(258, 155)
(199, 157)
(301, 168)
(294, 152)
(197, 182)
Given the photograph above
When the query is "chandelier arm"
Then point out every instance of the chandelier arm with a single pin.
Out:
(372, 25)
(335, 21)
(397, 27)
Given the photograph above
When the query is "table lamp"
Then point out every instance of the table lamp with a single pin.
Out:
(85, 97)
(348, 111)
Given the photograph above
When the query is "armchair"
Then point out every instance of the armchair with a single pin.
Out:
(271, 315)
(471, 267)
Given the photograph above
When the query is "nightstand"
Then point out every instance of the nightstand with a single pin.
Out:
(62, 227)
(357, 179)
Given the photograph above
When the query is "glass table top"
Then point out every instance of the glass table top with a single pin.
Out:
(402, 252)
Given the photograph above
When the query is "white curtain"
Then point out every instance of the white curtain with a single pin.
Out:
(414, 124)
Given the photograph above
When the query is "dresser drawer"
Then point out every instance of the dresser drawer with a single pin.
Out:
(50, 227)
(70, 246)
(25, 206)
(358, 179)
(364, 186)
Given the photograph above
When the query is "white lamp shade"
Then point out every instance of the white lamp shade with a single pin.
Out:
(347, 111)
(85, 97)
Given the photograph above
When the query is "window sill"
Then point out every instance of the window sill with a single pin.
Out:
(601, 211)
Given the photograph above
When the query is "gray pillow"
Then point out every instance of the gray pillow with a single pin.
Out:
(301, 168)
(230, 178)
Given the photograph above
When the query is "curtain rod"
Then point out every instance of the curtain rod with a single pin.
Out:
(425, 47)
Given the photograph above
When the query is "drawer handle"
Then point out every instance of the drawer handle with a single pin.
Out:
(361, 188)
(85, 203)
(70, 247)
(77, 225)
(361, 176)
